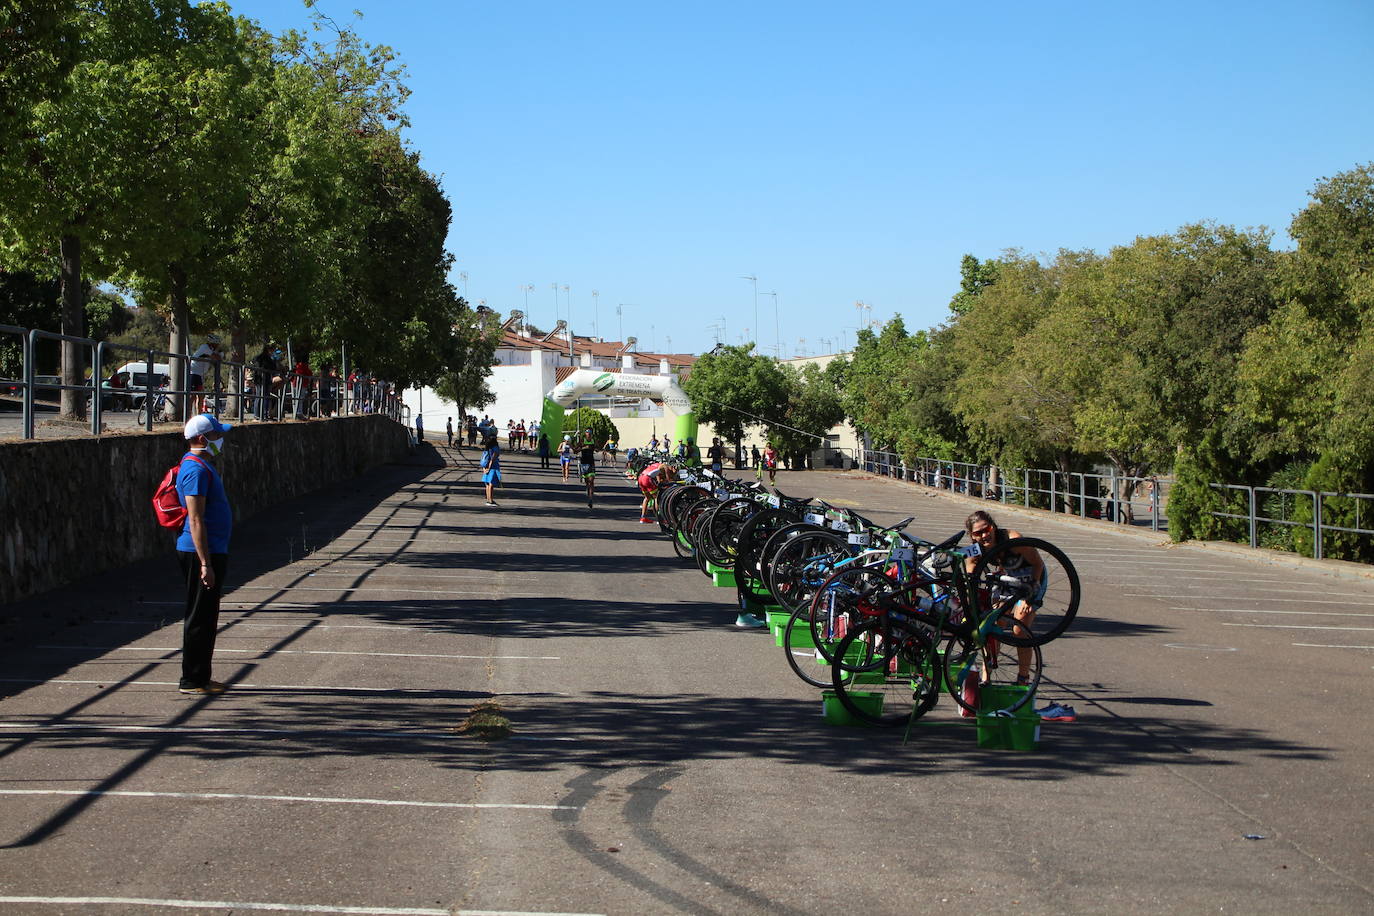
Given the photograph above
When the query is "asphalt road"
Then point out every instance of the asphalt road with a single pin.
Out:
(659, 759)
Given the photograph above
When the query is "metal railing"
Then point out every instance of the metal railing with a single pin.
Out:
(1126, 500)
(252, 389)
(1253, 510)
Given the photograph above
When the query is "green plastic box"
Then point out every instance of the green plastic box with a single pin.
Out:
(836, 714)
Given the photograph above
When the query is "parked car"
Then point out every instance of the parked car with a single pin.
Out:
(136, 381)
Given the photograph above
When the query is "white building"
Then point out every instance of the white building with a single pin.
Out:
(526, 367)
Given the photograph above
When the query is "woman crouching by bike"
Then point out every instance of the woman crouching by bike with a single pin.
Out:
(1021, 563)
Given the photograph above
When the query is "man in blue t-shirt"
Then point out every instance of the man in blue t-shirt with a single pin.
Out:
(202, 549)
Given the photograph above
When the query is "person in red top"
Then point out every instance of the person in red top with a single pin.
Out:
(300, 388)
(770, 462)
(651, 479)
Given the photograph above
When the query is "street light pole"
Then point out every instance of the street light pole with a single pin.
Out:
(777, 336)
(596, 314)
(755, 280)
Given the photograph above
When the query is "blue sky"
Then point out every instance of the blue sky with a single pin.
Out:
(658, 153)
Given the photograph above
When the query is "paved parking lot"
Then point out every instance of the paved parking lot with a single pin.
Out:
(660, 760)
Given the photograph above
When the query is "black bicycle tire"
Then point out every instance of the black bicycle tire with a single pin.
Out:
(1066, 617)
(817, 675)
(956, 665)
(792, 596)
(843, 685)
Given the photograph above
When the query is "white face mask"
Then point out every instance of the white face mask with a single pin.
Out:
(214, 447)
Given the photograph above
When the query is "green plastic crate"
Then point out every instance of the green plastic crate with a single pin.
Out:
(836, 714)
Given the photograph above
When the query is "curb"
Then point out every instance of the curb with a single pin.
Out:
(1341, 569)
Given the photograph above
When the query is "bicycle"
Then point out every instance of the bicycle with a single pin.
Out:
(897, 627)
(160, 409)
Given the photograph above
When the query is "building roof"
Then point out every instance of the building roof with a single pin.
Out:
(605, 349)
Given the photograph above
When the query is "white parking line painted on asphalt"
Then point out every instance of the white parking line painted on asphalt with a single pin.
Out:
(231, 905)
(1250, 598)
(218, 650)
(1250, 610)
(239, 623)
(1313, 645)
(230, 796)
(242, 685)
(21, 727)
(387, 589)
(1293, 626)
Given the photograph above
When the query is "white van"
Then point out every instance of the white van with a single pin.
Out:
(135, 379)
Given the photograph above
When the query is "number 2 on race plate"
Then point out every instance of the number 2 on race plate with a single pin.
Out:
(904, 554)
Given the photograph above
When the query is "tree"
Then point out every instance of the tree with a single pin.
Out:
(467, 367)
(580, 421)
(733, 390)
(813, 406)
(974, 277)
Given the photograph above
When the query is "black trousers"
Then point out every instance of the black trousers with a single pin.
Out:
(202, 618)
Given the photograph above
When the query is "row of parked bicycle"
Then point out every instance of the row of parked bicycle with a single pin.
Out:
(871, 609)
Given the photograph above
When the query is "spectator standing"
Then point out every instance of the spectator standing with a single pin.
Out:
(754, 457)
(448, 428)
(300, 388)
(520, 435)
(419, 427)
(329, 392)
(266, 377)
(472, 431)
(202, 550)
(544, 451)
(491, 465)
(205, 357)
(716, 456)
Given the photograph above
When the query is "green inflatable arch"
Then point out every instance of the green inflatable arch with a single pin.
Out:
(616, 384)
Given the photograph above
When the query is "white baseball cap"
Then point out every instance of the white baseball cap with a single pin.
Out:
(202, 424)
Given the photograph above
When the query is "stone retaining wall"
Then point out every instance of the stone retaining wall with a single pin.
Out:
(72, 507)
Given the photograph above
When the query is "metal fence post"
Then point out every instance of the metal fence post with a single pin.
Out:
(1082, 495)
(1154, 502)
(1054, 494)
(1317, 525)
(95, 390)
(1254, 535)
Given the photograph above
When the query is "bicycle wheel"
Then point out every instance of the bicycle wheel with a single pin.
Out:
(848, 598)
(805, 661)
(683, 548)
(1028, 611)
(802, 565)
(901, 672)
(969, 669)
(723, 529)
(754, 533)
(143, 414)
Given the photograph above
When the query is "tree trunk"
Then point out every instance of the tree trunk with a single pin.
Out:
(73, 324)
(180, 341)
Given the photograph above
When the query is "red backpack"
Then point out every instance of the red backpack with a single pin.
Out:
(166, 504)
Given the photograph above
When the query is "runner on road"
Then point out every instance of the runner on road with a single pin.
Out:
(586, 466)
